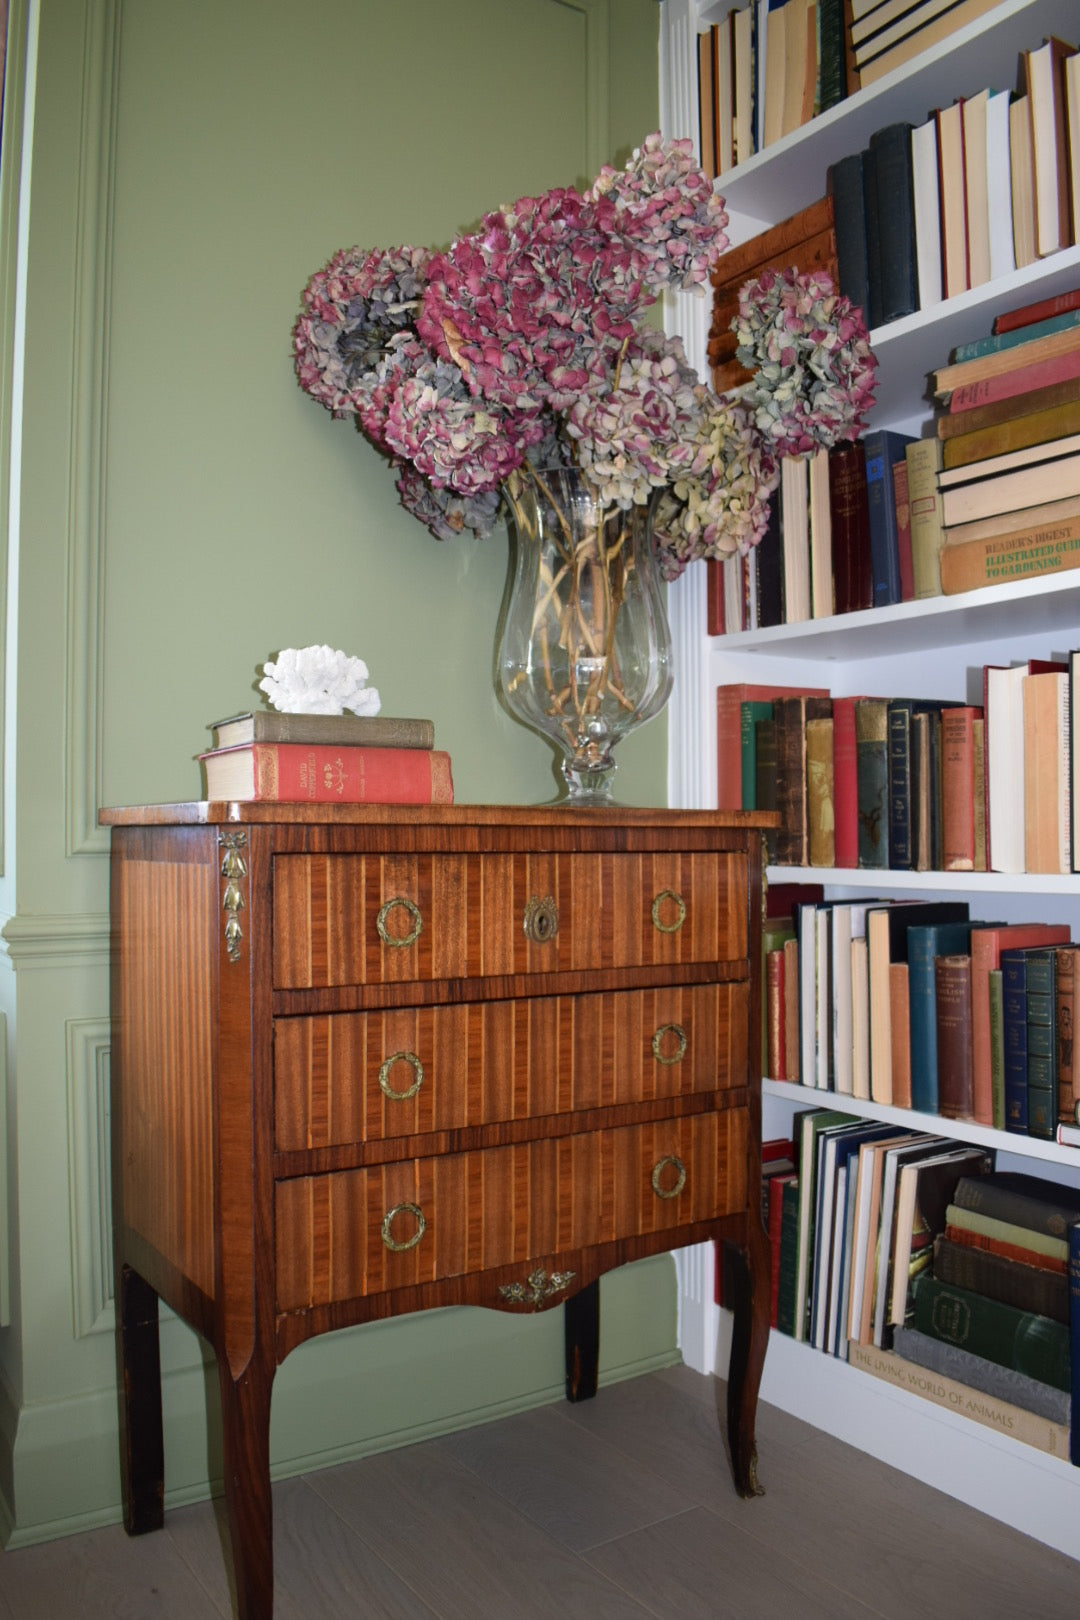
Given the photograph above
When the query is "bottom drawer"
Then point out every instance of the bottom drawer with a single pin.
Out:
(338, 1236)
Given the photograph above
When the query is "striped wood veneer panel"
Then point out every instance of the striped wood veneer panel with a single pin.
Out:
(168, 918)
(500, 1206)
(473, 906)
(500, 1060)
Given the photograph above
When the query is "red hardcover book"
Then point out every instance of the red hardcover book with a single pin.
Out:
(1009, 1251)
(775, 1057)
(845, 782)
(987, 945)
(1044, 310)
(290, 773)
(714, 597)
(1062, 368)
(958, 786)
(849, 519)
(729, 702)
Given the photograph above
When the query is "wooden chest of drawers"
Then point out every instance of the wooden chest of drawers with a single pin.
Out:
(369, 1060)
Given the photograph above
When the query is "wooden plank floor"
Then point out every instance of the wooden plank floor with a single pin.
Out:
(620, 1507)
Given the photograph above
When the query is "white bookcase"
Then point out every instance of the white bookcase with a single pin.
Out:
(926, 649)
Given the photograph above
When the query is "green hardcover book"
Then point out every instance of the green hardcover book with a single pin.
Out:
(752, 713)
(1042, 1043)
(1031, 1344)
(789, 1239)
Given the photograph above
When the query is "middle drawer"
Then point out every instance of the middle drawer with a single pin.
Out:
(352, 1077)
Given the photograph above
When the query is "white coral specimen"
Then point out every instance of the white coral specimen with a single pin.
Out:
(319, 680)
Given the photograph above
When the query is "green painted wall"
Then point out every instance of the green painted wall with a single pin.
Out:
(184, 512)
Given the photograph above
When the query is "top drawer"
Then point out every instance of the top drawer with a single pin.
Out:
(396, 919)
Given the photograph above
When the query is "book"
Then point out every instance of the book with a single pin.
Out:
(976, 190)
(1000, 1397)
(794, 497)
(892, 265)
(997, 1048)
(952, 198)
(1042, 1044)
(822, 604)
(845, 783)
(789, 1229)
(924, 457)
(922, 37)
(809, 1127)
(1045, 84)
(999, 171)
(313, 773)
(1017, 433)
(1006, 1238)
(961, 789)
(1066, 1023)
(835, 1147)
(707, 116)
(1021, 380)
(1022, 182)
(924, 1193)
(848, 926)
(1011, 337)
(1003, 694)
(752, 713)
(1046, 546)
(1040, 309)
(791, 1010)
(872, 775)
(883, 448)
(925, 193)
(1047, 810)
(743, 71)
(1023, 1200)
(902, 503)
(896, 1157)
(1014, 1040)
(1030, 1343)
(925, 943)
(820, 810)
(1029, 1288)
(775, 1228)
(953, 1003)
(1004, 412)
(359, 731)
(849, 528)
(910, 780)
(844, 181)
(987, 488)
(987, 944)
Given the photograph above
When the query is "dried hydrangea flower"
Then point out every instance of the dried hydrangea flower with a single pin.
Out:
(353, 307)
(445, 512)
(318, 680)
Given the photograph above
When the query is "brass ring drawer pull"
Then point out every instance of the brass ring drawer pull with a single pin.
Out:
(665, 900)
(669, 1162)
(541, 922)
(388, 1220)
(384, 1076)
(384, 915)
(661, 1036)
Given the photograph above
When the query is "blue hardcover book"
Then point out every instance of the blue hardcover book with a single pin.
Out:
(844, 181)
(924, 943)
(1074, 1339)
(883, 448)
(1014, 1021)
(1042, 1109)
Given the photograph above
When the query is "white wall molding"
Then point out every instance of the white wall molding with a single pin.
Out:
(42, 940)
(89, 1177)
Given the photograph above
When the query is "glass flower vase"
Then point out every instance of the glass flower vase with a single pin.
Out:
(585, 653)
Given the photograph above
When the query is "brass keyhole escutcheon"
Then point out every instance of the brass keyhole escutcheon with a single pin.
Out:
(390, 1217)
(663, 1050)
(668, 911)
(541, 922)
(386, 911)
(662, 1185)
(384, 1076)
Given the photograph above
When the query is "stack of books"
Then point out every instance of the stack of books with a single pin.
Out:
(765, 70)
(326, 759)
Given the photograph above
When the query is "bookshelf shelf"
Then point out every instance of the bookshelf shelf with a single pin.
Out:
(789, 1095)
(928, 648)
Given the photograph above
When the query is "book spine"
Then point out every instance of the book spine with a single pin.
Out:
(1011, 337)
(1041, 374)
(1002, 1201)
(1030, 1343)
(774, 993)
(1026, 1288)
(326, 730)
(927, 522)
(931, 1385)
(791, 1010)
(1017, 433)
(845, 184)
(849, 519)
(952, 989)
(791, 839)
(845, 784)
(872, 769)
(1004, 1384)
(922, 1011)
(1014, 1034)
(895, 220)
(884, 544)
(899, 739)
(997, 1048)
(902, 503)
(1043, 309)
(1000, 1237)
(1066, 1016)
(1026, 553)
(958, 787)
(789, 1231)
(1041, 1044)
(295, 773)
(900, 1033)
(820, 811)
